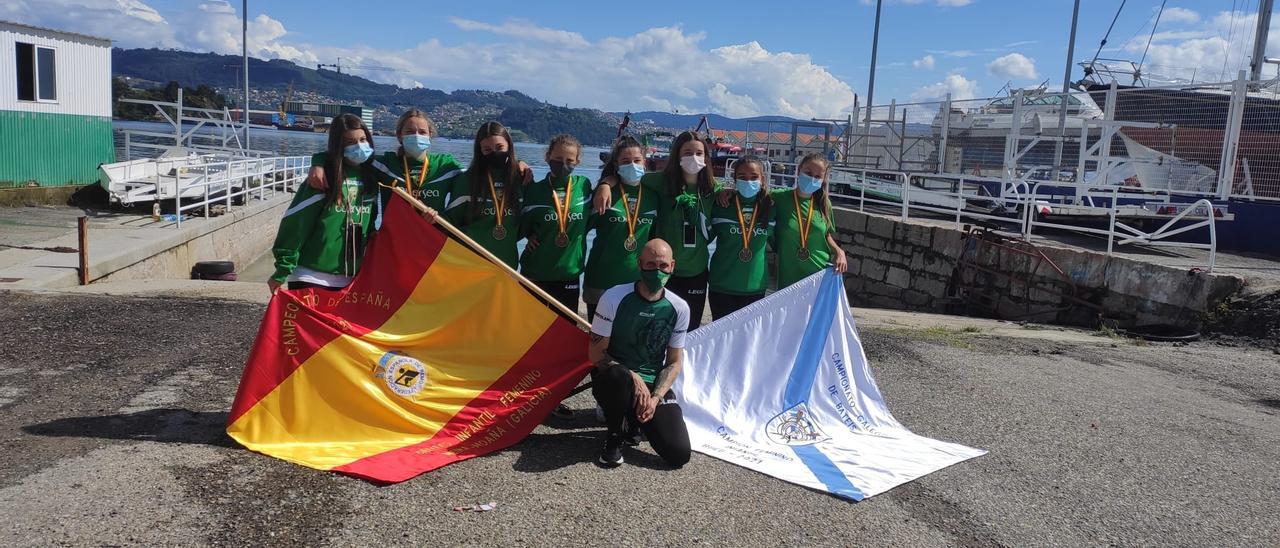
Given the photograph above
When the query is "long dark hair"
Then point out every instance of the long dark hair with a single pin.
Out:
(675, 175)
(821, 194)
(610, 168)
(763, 201)
(479, 184)
(335, 163)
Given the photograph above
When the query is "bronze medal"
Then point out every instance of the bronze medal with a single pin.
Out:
(803, 254)
(562, 240)
(630, 243)
(499, 232)
(744, 255)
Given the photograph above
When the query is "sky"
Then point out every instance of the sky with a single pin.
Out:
(738, 59)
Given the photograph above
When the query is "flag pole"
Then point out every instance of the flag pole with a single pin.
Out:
(475, 246)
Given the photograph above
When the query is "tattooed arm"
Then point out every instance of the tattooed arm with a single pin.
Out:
(598, 350)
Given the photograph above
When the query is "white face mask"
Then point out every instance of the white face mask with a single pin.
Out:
(693, 164)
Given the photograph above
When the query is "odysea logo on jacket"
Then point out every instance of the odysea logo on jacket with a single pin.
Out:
(403, 374)
(794, 426)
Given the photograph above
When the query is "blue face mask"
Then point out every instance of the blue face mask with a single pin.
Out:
(748, 188)
(416, 145)
(807, 184)
(631, 173)
(358, 153)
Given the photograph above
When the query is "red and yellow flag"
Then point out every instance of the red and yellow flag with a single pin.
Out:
(432, 355)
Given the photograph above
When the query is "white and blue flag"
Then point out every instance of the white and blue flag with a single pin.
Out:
(783, 388)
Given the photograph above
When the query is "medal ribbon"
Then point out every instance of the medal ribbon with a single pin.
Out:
(426, 164)
(807, 226)
(562, 210)
(631, 216)
(499, 204)
(747, 228)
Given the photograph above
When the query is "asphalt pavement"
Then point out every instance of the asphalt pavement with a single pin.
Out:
(111, 433)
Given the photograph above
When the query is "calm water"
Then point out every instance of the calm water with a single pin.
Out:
(292, 143)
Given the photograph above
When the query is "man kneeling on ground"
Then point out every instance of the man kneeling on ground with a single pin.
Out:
(636, 342)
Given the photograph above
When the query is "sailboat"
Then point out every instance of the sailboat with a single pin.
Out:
(1180, 133)
(1191, 121)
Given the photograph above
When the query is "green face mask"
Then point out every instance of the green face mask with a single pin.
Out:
(654, 280)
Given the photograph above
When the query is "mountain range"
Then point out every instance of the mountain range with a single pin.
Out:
(456, 113)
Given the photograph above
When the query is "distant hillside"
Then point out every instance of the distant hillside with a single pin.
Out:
(687, 121)
(457, 113)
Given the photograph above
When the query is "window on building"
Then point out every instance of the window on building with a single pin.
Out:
(37, 73)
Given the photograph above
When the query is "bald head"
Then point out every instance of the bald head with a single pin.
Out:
(657, 255)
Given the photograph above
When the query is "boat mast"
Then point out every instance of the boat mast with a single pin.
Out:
(1260, 40)
(244, 51)
(1066, 88)
(871, 81)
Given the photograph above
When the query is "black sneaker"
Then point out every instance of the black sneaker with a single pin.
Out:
(562, 411)
(611, 456)
(631, 435)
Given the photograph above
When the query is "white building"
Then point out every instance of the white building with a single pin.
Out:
(55, 106)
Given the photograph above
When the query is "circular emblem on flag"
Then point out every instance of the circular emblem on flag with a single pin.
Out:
(794, 426)
(403, 374)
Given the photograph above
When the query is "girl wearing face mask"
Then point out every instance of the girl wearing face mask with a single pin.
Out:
(484, 202)
(554, 219)
(686, 189)
(623, 228)
(322, 236)
(805, 235)
(687, 192)
(426, 175)
(429, 176)
(741, 230)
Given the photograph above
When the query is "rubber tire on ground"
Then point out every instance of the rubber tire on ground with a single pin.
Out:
(212, 269)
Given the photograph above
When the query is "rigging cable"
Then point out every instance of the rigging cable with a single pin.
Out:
(1138, 73)
(1226, 47)
(1089, 68)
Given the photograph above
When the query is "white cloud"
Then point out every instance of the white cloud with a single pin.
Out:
(925, 62)
(213, 25)
(953, 52)
(1013, 65)
(216, 26)
(1210, 51)
(925, 99)
(954, 3)
(661, 68)
(664, 68)
(1179, 15)
(520, 28)
(124, 21)
(960, 88)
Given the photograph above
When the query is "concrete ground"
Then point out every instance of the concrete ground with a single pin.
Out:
(39, 244)
(113, 410)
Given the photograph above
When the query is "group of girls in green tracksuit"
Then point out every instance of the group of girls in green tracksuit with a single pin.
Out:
(693, 211)
(493, 201)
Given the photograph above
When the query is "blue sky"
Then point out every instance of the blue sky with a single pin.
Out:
(738, 59)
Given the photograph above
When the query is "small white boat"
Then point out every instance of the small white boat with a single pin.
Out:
(178, 173)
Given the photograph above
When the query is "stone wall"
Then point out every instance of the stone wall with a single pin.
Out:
(913, 265)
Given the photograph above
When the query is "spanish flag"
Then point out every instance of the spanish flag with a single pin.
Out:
(432, 355)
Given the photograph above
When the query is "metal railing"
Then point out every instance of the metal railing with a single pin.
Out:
(1097, 202)
(228, 182)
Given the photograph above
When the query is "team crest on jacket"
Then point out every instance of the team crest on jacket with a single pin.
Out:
(403, 374)
(794, 426)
